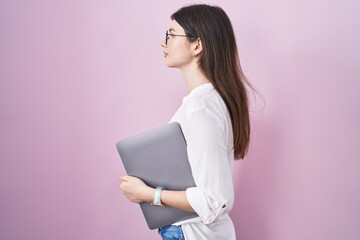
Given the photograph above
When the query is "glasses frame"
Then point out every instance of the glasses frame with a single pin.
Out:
(167, 34)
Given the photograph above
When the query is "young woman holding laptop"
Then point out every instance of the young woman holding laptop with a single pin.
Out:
(214, 117)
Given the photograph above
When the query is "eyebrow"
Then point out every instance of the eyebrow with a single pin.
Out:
(172, 30)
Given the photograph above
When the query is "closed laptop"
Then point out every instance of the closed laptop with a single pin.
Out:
(159, 158)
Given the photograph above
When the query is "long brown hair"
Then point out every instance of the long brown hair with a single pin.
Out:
(220, 63)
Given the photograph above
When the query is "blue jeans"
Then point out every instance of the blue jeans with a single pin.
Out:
(171, 232)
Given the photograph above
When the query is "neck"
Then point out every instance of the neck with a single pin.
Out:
(193, 76)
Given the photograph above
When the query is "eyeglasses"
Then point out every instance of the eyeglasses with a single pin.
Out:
(167, 34)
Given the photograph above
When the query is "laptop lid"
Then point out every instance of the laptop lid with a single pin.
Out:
(159, 158)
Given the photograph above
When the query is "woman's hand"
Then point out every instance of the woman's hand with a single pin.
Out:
(136, 190)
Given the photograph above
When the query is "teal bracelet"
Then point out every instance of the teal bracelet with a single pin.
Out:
(157, 197)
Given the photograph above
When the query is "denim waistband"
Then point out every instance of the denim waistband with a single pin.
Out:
(171, 232)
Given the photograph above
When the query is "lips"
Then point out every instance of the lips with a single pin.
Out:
(165, 54)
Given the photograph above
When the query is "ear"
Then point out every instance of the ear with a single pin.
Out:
(198, 47)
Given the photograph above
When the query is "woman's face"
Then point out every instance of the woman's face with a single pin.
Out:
(178, 50)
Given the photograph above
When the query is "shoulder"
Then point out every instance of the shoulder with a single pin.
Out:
(209, 102)
(205, 111)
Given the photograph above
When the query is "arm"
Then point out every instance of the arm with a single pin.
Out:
(137, 191)
(176, 199)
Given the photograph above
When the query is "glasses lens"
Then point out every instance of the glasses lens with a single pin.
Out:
(166, 37)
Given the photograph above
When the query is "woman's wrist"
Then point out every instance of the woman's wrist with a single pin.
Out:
(149, 194)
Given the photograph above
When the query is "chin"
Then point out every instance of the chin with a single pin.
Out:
(170, 65)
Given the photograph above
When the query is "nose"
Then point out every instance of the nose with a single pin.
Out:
(162, 44)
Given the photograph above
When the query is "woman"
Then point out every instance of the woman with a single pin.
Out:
(214, 118)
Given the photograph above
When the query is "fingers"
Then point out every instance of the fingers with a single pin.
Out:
(127, 178)
(127, 183)
(124, 178)
(132, 188)
(123, 183)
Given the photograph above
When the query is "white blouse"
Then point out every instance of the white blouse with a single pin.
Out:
(207, 128)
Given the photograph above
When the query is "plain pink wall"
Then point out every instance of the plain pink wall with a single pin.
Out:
(77, 76)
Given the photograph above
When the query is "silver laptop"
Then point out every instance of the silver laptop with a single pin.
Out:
(159, 158)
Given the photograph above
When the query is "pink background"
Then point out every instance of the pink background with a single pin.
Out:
(77, 76)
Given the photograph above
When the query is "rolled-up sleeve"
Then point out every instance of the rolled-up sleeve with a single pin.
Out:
(208, 151)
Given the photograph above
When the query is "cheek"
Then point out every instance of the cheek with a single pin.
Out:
(178, 56)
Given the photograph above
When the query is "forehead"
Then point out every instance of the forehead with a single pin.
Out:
(174, 26)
